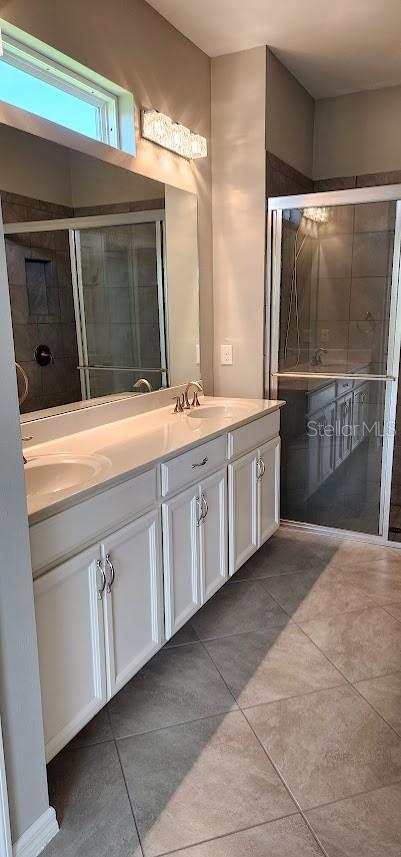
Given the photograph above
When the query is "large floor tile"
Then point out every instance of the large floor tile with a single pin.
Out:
(97, 731)
(377, 571)
(177, 685)
(264, 667)
(362, 644)
(385, 695)
(290, 552)
(86, 788)
(308, 596)
(287, 837)
(200, 780)
(363, 826)
(237, 608)
(328, 745)
(394, 610)
(186, 634)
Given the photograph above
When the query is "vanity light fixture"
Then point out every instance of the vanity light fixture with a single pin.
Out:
(318, 215)
(160, 129)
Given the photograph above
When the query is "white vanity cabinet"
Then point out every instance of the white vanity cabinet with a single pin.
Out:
(254, 491)
(131, 559)
(194, 548)
(118, 573)
(70, 631)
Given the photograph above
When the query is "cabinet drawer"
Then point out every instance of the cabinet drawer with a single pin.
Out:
(318, 399)
(64, 533)
(253, 434)
(193, 466)
(345, 385)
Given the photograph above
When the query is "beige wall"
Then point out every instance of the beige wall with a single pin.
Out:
(289, 117)
(239, 180)
(34, 167)
(132, 45)
(129, 43)
(358, 133)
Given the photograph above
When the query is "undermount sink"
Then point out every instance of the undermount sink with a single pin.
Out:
(207, 412)
(53, 474)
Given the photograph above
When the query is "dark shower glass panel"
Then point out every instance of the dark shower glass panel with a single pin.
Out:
(332, 446)
(335, 288)
(121, 303)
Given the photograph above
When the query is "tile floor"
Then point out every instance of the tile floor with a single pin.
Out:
(270, 726)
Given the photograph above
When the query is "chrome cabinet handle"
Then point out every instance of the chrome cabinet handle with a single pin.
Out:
(112, 573)
(100, 591)
(200, 463)
(205, 506)
(263, 466)
(200, 510)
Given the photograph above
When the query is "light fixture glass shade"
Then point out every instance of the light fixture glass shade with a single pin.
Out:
(160, 129)
(198, 146)
(318, 215)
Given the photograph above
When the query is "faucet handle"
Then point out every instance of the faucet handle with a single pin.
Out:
(25, 439)
(186, 405)
(178, 405)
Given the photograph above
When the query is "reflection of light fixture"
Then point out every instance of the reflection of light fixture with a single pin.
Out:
(160, 129)
(318, 215)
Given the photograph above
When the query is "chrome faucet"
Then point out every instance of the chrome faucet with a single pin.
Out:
(143, 382)
(317, 356)
(182, 402)
(195, 401)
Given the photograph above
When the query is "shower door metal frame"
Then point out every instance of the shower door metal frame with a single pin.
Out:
(328, 199)
(73, 225)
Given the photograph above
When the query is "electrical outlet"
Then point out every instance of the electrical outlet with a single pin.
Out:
(226, 355)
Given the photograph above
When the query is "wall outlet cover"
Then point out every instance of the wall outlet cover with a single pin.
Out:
(226, 355)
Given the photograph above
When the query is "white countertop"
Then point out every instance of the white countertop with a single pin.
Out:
(128, 446)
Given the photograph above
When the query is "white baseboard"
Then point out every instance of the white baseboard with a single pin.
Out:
(38, 835)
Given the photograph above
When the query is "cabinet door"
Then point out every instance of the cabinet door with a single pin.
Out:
(242, 506)
(344, 428)
(69, 621)
(131, 559)
(213, 534)
(268, 489)
(181, 516)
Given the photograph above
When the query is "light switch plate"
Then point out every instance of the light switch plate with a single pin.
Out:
(226, 355)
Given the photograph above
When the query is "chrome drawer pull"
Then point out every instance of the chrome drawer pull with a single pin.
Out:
(112, 573)
(200, 511)
(200, 463)
(102, 588)
(205, 506)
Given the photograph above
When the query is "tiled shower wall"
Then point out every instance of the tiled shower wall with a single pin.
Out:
(42, 308)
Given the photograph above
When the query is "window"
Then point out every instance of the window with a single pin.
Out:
(34, 82)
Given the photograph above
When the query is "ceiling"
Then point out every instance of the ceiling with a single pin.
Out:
(331, 46)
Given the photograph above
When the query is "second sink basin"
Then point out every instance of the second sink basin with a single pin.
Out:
(207, 412)
(53, 474)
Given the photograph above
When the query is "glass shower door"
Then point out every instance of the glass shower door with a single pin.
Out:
(335, 282)
(121, 307)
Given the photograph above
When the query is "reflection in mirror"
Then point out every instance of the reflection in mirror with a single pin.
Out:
(103, 276)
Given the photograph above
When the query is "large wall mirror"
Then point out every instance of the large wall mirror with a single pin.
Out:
(103, 276)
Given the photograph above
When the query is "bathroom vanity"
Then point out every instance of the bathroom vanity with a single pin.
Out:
(134, 525)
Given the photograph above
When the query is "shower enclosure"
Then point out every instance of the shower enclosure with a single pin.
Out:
(111, 268)
(334, 324)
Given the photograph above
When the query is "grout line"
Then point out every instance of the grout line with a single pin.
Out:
(355, 795)
(129, 798)
(180, 723)
(292, 797)
(352, 685)
(226, 835)
(288, 789)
